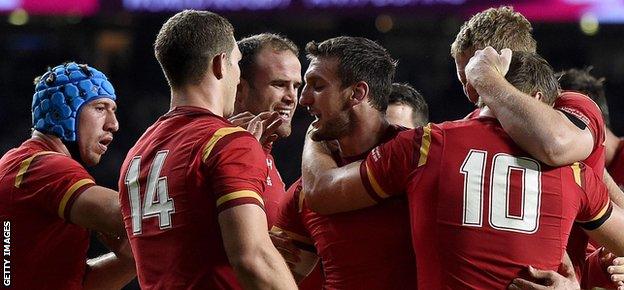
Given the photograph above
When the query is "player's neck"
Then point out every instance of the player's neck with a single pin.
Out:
(203, 95)
(54, 142)
(366, 133)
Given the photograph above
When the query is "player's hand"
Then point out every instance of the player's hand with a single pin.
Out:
(119, 245)
(263, 127)
(241, 119)
(485, 65)
(286, 247)
(549, 280)
(616, 270)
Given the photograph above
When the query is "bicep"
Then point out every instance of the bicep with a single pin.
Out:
(97, 208)
(243, 228)
(610, 233)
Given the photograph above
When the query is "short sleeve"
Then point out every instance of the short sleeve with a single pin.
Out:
(54, 181)
(586, 110)
(235, 166)
(595, 204)
(289, 218)
(387, 168)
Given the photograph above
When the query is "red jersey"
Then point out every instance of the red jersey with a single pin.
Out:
(42, 249)
(481, 210)
(587, 111)
(274, 192)
(185, 169)
(616, 168)
(364, 249)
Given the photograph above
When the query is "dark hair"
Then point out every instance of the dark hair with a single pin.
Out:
(187, 43)
(582, 81)
(499, 28)
(252, 45)
(360, 59)
(530, 73)
(407, 95)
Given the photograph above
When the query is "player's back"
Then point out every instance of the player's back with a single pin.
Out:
(168, 205)
(489, 210)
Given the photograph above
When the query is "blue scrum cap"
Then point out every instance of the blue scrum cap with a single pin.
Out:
(61, 92)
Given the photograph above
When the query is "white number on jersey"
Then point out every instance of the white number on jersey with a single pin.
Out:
(157, 202)
(473, 169)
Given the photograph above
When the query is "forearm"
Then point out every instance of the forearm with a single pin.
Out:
(264, 269)
(537, 128)
(317, 166)
(109, 272)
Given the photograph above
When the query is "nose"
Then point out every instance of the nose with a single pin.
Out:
(111, 125)
(290, 96)
(306, 98)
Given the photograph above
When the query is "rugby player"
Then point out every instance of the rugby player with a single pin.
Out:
(407, 107)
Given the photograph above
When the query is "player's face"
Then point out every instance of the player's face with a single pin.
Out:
(96, 124)
(232, 80)
(326, 100)
(276, 80)
(400, 114)
(460, 64)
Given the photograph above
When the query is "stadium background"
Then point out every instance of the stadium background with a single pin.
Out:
(117, 37)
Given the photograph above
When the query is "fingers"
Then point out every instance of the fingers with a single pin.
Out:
(541, 274)
(504, 60)
(617, 271)
(241, 119)
(520, 283)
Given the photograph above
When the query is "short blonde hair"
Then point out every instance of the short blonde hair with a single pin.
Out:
(499, 28)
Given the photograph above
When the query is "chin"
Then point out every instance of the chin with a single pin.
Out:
(91, 160)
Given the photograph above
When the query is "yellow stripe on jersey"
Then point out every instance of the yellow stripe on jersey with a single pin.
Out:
(380, 192)
(601, 213)
(239, 194)
(576, 169)
(24, 167)
(294, 236)
(216, 137)
(424, 145)
(69, 193)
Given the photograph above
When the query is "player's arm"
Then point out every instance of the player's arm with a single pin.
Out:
(545, 133)
(328, 188)
(609, 233)
(255, 260)
(97, 208)
(113, 270)
(563, 279)
(615, 193)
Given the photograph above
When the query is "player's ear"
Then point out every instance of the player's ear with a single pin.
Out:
(218, 65)
(539, 96)
(360, 92)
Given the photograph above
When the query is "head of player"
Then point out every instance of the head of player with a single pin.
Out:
(580, 80)
(347, 82)
(270, 77)
(532, 75)
(74, 107)
(199, 57)
(407, 107)
(499, 28)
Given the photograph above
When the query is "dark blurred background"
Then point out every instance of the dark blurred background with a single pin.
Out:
(117, 37)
